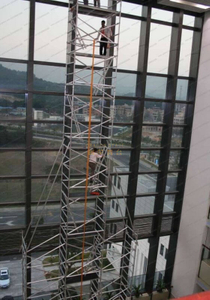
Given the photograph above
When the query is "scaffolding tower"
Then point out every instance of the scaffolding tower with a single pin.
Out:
(93, 257)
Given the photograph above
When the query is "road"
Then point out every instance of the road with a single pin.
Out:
(11, 217)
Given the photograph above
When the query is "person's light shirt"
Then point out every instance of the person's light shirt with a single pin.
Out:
(94, 156)
(104, 32)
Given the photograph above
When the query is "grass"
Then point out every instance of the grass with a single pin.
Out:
(52, 274)
(106, 264)
(50, 260)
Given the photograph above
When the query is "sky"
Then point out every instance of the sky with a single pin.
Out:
(51, 34)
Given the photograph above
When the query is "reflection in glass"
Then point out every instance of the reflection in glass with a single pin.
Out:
(161, 259)
(40, 185)
(12, 106)
(182, 89)
(42, 162)
(144, 205)
(146, 184)
(149, 160)
(171, 184)
(12, 135)
(179, 114)
(151, 136)
(47, 135)
(153, 112)
(50, 33)
(169, 201)
(126, 84)
(49, 79)
(12, 163)
(122, 136)
(141, 263)
(185, 52)
(177, 136)
(14, 16)
(14, 194)
(119, 161)
(174, 160)
(159, 46)
(13, 76)
(156, 87)
(119, 184)
(47, 107)
(44, 215)
(123, 111)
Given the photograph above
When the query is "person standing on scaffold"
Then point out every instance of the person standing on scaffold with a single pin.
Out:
(93, 161)
(106, 34)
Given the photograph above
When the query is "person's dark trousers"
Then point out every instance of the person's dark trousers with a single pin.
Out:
(103, 45)
(97, 3)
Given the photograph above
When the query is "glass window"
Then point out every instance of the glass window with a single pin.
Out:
(12, 106)
(43, 185)
(119, 161)
(50, 33)
(161, 261)
(118, 209)
(122, 136)
(159, 47)
(182, 89)
(177, 136)
(141, 262)
(126, 84)
(151, 136)
(47, 107)
(12, 191)
(49, 79)
(162, 15)
(12, 163)
(13, 76)
(130, 8)
(174, 160)
(153, 112)
(185, 52)
(171, 184)
(169, 201)
(121, 186)
(47, 135)
(156, 87)
(45, 215)
(189, 20)
(179, 114)
(129, 44)
(42, 162)
(123, 111)
(14, 16)
(12, 135)
(12, 217)
(144, 205)
(149, 160)
(146, 184)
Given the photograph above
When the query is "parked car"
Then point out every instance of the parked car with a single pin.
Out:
(4, 278)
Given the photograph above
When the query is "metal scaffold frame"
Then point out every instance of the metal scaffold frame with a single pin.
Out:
(85, 244)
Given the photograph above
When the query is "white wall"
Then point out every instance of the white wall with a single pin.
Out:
(196, 197)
